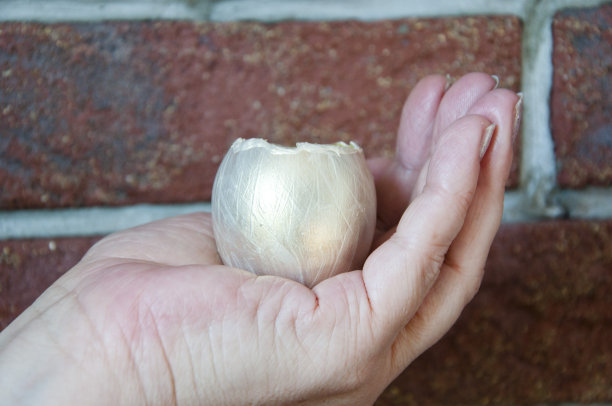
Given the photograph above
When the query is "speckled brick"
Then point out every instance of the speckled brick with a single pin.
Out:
(28, 267)
(581, 103)
(538, 332)
(126, 112)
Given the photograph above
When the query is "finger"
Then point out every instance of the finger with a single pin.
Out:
(456, 103)
(460, 97)
(417, 121)
(398, 274)
(463, 267)
(181, 240)
(394, 177)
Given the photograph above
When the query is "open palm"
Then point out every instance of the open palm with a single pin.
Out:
(150, 315)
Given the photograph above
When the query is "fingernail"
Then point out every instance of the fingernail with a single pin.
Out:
(518, 114)
(496, 79)
(486, 141)
(449, 82)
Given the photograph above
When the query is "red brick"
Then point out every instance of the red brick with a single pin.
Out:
(28, 267)
(126, 112)
(582, 96)
(538, 332)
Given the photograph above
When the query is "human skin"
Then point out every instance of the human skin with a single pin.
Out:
(151, 316)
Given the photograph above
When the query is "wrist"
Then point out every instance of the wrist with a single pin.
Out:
(52, 357)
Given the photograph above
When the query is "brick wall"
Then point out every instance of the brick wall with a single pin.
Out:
(114, 113)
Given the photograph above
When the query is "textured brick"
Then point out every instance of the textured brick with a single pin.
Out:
(581, 101)
(28, 267)
(120, 113)
(538, 332)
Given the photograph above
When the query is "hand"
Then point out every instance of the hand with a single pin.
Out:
(150, 315)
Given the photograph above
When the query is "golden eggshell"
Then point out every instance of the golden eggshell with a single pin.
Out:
(304, 213)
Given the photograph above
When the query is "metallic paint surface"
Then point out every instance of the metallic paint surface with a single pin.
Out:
(304, 213)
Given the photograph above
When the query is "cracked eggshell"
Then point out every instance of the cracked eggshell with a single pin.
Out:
(304, 213)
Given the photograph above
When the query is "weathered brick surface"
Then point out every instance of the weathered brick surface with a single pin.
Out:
(28, 267)
(120, 113)
(582, 96)
(537, 332)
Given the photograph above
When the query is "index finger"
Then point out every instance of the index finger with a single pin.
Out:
(400, 272)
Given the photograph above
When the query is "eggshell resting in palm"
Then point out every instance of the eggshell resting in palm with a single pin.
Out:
(304, 213)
